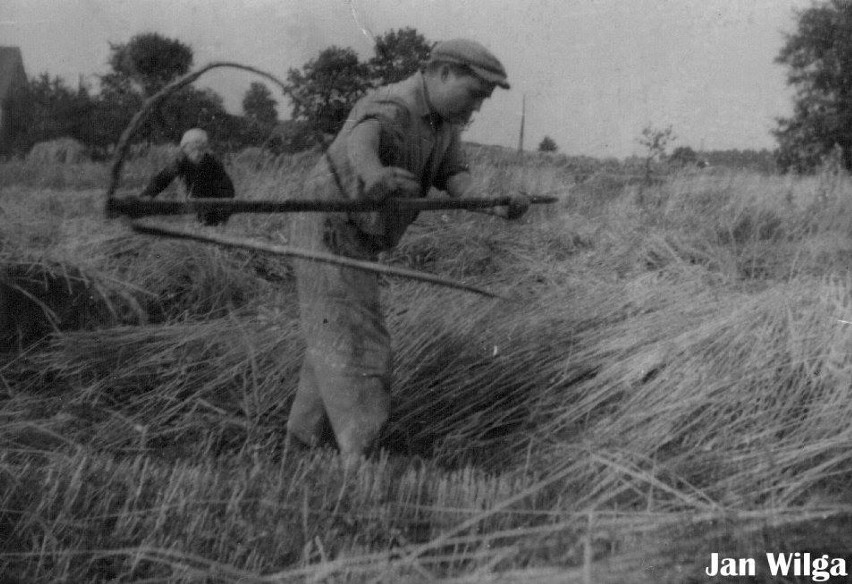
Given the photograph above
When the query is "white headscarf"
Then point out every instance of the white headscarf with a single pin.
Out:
(194, 136)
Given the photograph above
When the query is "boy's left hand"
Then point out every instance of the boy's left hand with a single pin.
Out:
(517, 207)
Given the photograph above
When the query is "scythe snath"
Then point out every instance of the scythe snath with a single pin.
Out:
(135, 207)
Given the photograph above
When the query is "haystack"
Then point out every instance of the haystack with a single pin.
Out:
(62, 150)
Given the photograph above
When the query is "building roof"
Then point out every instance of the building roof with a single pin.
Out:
(11, 69)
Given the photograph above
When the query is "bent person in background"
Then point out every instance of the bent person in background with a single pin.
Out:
(202, 174)
(398, 141)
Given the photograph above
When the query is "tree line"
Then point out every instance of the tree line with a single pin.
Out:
(321, 93)
(817, 55)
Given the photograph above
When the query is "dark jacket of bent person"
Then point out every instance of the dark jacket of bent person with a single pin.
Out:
(202, 174)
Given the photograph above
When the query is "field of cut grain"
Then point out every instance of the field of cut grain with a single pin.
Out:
(669, 378)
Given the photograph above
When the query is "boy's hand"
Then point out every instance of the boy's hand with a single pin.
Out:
(519, 205)
(390, 181)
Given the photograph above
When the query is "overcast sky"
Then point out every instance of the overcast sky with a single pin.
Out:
(594, 72)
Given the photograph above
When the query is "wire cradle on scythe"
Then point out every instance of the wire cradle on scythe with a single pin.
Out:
(134, 208)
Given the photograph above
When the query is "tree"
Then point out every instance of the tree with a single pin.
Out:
(326, 88)
(189, 108)
(683, 156)
(398, 55)
(655, 141)
(547, 145)
(142, 67)
(46, 108)
(115, 105)
(259, 106)
(818, 57)
(150, 61)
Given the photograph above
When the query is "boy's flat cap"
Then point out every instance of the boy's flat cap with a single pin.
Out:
(467, 52)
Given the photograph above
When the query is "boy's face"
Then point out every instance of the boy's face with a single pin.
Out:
(195, 151)
(458, 97)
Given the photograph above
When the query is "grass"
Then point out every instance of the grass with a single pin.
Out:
(668, 379)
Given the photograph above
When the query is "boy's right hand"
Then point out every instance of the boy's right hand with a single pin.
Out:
(390, 181)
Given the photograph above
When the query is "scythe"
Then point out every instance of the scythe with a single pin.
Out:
(132, 207)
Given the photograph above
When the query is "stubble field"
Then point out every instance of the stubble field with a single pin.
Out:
(668, 378)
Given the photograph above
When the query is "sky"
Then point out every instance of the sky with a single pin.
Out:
(593, 73)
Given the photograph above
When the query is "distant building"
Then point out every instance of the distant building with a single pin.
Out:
(12, 76)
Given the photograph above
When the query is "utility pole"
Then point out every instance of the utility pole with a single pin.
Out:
(523, 119)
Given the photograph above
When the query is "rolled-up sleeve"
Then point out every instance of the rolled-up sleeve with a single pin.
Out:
(393, 120)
